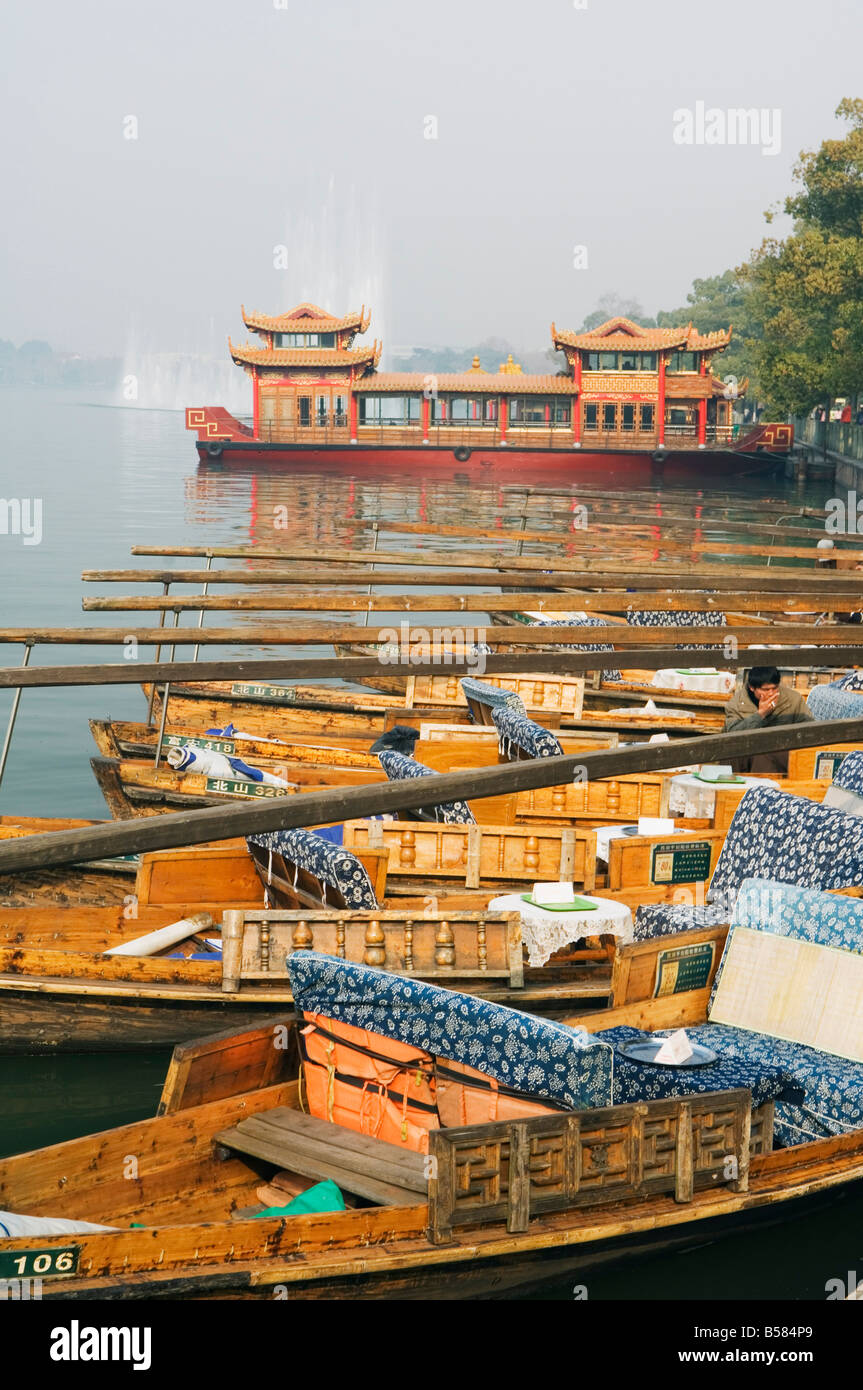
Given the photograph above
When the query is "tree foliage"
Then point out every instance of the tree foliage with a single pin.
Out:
(804, 294)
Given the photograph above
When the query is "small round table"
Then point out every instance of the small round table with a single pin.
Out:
(690, 797)
(543, 932)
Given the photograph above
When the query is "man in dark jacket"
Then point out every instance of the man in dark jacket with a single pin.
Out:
(762, 702)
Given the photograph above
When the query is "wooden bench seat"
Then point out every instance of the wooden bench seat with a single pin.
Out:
(366, 1167)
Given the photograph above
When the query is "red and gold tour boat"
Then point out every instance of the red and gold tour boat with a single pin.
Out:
(644, 396)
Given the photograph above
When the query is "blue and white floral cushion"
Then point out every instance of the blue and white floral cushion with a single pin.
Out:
(536, 1055)
(517, 731)
(398, 767)
(775, 836)
(634, 1081)
(612, 674)
(830, 702)
(680, 617)
(852, 680)
(849, 774)
(492, 695)
(330, 863)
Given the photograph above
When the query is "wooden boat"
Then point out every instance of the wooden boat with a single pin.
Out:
(60, 990)
(204, 1215)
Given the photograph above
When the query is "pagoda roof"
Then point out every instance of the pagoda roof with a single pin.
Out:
(306, 318)
(246, 355)
(621, 333)
(476, 383)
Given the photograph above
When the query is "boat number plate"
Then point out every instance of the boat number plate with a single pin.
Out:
(216, 745)
(229, 788)
(39, 1264)
(680, 863)
(279, 694)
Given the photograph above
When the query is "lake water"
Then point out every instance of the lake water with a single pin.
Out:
(111, 478)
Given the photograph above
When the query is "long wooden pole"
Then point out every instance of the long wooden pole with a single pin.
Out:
(289, 634)
(336, 804)
(552, 543)
(679, 578)
(609, 600)
(325, 668)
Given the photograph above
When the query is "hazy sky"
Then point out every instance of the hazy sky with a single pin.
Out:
(263, 124)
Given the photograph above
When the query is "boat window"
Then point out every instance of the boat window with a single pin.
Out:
(648, 361)
(629, 361)
(591, 362)
(590, 415)
(609, 413)
(308, 340)
(608, 361)
(628, 416)
(683, 362)
(647, 417)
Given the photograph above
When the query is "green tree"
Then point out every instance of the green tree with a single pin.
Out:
(804, 294)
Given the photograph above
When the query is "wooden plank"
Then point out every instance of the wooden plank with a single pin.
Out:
(609, 600)
(316, 1166)
(327, 634)
(346, 668)
(301, 1127)
(343, 803)
(533, 574)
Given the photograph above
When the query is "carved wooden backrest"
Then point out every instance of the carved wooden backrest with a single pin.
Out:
(476, 853)
(511, 1172)
(463, 946)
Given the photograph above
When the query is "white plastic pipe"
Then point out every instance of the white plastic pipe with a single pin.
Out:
(164, 936)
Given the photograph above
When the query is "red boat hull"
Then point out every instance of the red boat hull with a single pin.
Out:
(577, 464)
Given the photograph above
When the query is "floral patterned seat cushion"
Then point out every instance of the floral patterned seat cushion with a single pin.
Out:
(852, 680)
(773, 836)
(535, 1055)
(330, 863)
(833, 702)
(517, 731)
(612, 674)
(849, 774)
(492, 695)
(634, 1081)
(398, 767)
(680, 617)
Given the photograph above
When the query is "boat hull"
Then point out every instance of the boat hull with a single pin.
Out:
(582, 465)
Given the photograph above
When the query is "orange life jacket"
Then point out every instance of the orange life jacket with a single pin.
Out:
(466, 1096)
(368, 1083)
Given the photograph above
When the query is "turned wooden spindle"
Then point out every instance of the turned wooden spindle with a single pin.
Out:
(375, 952)
(531, 853)
(302, 937)
(407, 848)
(451, 688)
(481, 946)
(265, 945)
(444, 950)
(613, 801)
(558, 798)
(340, 938)
(409, 944)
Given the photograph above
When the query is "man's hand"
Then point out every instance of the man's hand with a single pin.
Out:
(767, 704)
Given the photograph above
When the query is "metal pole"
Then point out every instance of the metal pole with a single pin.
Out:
(165, 696)
(369, 589)
(162, 615)
(16, 700)
(204, 592)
